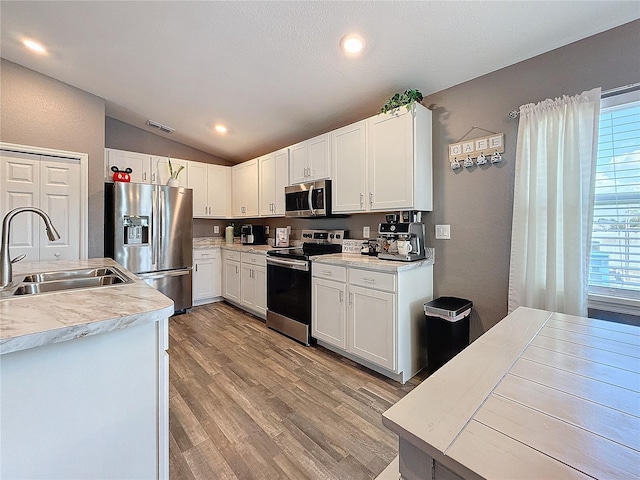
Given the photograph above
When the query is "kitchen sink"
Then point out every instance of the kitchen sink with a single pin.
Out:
(48, 282)
(70, 275)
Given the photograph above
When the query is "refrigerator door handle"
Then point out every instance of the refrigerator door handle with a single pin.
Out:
(163, 274)
(154, 216)
(161, 221)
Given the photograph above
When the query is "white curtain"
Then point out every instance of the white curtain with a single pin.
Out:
(553, 203)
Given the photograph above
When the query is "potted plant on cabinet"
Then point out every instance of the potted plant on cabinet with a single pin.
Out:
(408, 98)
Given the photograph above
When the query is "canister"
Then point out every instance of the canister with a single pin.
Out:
(228, 234)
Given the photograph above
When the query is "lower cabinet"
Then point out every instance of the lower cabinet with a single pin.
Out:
(375, 318)
(245, 281)
(231, 276)
(207, 276)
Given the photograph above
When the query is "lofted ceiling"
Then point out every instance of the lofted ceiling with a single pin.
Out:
(272, 71)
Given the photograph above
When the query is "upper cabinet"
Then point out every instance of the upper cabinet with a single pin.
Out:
(349, 167)
(139, 163)
(244, 179)
(211, 185)
(396, 173)
(309, 160)
(274, 177)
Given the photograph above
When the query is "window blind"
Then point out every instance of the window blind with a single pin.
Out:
(615, 245)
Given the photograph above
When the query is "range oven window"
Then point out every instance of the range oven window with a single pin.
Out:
(289, 292)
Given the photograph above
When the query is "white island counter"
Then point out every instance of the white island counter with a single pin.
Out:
(84, 380)
(541, 395)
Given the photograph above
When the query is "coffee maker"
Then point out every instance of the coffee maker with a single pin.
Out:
(253, 235)
(403, 242)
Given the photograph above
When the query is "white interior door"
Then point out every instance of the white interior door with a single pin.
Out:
(20, 187)
(60, 198)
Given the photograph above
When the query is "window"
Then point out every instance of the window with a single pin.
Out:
(614, 276)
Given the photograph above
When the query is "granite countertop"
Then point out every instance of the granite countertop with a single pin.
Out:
(367, 262)
(213, 242)
(35, 320)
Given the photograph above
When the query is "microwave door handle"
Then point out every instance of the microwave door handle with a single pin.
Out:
(313, 210)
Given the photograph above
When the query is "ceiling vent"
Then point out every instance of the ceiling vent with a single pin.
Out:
(164, 128)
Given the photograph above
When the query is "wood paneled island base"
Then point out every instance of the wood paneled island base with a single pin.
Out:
(540, 395)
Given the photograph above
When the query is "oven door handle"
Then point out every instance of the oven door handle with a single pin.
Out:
(292, 264)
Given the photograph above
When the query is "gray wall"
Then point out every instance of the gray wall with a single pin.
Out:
(477, 204)
(40, 111)
(123, 136)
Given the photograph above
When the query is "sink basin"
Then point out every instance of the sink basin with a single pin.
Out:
(49, 282)
(57, 285)
(70, 275)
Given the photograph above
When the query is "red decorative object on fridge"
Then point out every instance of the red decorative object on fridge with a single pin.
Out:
(121, 175)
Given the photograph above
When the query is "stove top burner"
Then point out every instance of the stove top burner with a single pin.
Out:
(307, 250)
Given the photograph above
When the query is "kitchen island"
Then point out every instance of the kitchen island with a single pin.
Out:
(84, 379)
(540, 395)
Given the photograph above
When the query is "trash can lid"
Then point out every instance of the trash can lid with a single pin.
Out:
(448, 306)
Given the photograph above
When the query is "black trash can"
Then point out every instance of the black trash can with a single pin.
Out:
(447, 329)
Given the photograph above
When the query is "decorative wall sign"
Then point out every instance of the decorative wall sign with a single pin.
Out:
(478, 147)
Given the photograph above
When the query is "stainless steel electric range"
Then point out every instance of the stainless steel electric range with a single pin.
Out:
(289, 282)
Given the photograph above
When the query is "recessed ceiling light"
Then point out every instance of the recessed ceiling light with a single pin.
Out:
(352, 43)
(220, 128)
(34, 46)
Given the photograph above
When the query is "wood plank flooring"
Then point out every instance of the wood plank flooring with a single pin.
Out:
(249, 403)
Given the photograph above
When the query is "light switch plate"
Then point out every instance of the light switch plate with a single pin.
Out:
(266, 229)
(216, 229)
(366, 231)
(443, 232)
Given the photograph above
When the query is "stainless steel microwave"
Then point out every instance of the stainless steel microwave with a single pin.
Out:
(311, 199)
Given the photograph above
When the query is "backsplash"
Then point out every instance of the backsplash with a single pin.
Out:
(353, 223)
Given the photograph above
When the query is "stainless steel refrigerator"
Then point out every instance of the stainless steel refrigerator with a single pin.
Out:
(149, 231)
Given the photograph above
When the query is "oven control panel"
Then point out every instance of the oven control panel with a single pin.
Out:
(323, 236)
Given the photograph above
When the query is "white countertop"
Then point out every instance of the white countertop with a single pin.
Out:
(367, 262)
(35, 320)
(214, 242)
(540, 395)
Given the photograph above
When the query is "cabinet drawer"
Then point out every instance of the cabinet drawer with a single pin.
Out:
(206, 253)
(332, 272)
(231, 255)
(254, 259)
(377, 280)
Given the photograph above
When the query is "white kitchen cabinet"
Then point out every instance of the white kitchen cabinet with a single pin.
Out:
(329, 312)
(380, 323)
(245, 185)
(253, 288)
(231, 276)
(211, 185)
(274, 177)
(139, 163)
(309, 160)
(397, 171)
(372, 325)
(52, 184)
(207, 275)
(161, 173)
(349, 167)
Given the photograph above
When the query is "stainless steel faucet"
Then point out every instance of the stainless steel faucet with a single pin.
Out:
(5, 259)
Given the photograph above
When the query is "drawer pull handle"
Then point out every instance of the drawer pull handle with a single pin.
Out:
(368, 279)
(327, 272)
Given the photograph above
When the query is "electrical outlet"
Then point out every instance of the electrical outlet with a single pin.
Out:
(289, 229)
(216, 229)
(443, 232)
(266, 229)
(366, 231)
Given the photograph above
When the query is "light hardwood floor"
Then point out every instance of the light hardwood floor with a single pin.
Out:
(249, 403)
